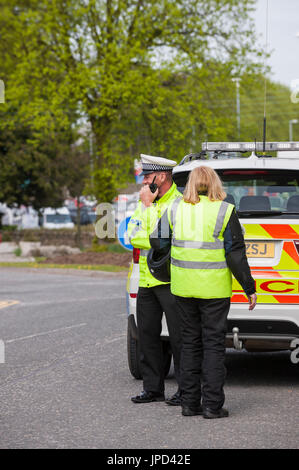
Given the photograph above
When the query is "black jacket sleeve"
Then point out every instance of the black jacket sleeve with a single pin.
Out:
(160, 239)
(235, 254)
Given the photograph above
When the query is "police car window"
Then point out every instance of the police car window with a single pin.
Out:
(263, 190)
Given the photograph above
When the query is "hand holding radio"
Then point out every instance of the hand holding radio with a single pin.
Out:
(148, 193)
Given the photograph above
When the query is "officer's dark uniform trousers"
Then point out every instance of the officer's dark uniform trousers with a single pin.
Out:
(203, 329)
(204, 323)
(151, 302)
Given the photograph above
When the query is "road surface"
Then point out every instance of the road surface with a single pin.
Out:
(65, 382)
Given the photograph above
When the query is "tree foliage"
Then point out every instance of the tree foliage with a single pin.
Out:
(275, 100)
(31, 172)
(149, 77)
(111, 61)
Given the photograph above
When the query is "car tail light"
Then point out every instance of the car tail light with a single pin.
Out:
(136, 254)
(296, 243)
(133, 296)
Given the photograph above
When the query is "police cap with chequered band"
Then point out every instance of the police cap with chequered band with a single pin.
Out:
(150, 164)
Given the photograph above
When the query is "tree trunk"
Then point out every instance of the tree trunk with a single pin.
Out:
(101, 128)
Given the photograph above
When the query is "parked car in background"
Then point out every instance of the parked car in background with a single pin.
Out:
(53, 218)
(87, 211)
(22, 217)
(124, 206)
(29, 218)
(84, 215)
(92, 215)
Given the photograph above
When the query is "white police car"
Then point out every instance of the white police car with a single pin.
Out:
(265, 192)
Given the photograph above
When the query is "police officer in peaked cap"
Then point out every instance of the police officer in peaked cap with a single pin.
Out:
(154, 296)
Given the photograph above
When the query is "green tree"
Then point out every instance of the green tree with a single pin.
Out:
(278, 106)
(116, 60)
(31, 172)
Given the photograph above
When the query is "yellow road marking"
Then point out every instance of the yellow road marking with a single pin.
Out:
(8, 303)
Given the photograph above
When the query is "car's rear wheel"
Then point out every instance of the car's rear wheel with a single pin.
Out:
(134, 354)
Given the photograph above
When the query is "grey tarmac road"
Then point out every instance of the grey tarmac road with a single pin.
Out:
(65, 381)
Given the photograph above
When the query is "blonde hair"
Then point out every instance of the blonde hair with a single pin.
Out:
(203, 180)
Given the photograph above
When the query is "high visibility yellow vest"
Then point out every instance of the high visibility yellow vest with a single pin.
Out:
(198, 265)
(141, 225)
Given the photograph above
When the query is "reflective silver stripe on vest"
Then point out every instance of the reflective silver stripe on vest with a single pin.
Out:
(198, 264)
(220, 219)
(173, 212)
(144, 252)
(216, 245)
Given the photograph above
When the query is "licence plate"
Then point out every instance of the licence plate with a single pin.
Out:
(260, 249)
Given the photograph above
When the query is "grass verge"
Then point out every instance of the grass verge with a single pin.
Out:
(90, 267)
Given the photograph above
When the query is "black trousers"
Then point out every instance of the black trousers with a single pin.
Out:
(151, 303)
(203, 329)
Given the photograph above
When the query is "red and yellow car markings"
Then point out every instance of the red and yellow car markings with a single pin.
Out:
(274, 284)
(270, 291)
(255, 232)
(265, 273)
(289, 248)
(270, 273)
(282, 231)
(287, 299)
(274, 231)
(267, 299)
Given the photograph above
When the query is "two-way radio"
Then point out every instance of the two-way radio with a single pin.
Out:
(153, 186)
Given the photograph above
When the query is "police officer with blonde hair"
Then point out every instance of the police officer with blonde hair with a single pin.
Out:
(207, 246)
